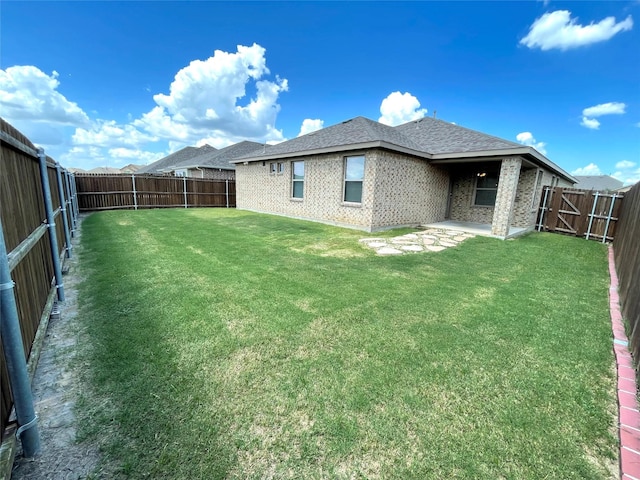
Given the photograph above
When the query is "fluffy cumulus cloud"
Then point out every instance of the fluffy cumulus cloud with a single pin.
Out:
(310, 125)
(399, 108)
(591, 169)
(27, 93)
(526, 138)
(559, 30)
(625, 165)
(609, 108)
(110, 134)
(208, 98)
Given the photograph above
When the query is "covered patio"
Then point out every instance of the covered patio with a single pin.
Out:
(483, 229)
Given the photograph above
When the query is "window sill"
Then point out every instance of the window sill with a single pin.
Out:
(352, 204)
(483, 206)
(296, 199)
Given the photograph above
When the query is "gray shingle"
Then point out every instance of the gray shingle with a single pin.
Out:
(437, 136)
(221, 158)
(597, 182)
(176, 157)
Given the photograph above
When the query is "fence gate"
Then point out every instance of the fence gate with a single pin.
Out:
(582, 213)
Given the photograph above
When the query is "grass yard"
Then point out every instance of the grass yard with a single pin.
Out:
(228, 344)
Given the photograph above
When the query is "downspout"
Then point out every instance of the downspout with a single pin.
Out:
(51, 223)
(28, 432)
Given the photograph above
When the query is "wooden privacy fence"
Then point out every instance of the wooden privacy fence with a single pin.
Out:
(38, 213)
(626, 248)
(109, 192)
(583, 213)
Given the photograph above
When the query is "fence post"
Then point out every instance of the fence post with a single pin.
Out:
(75, 196)
(184, 188)
(544, 208)
(226, 190)
(606, 228)
(51, 223)
(71, 209)
(593, 212)
(63, 205)
(135, 194)
(28, 431)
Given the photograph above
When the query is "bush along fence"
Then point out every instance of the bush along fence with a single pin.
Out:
(109, 192)
(38, 215)
(626, 248)
(583, 213)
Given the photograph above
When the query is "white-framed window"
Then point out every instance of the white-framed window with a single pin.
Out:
(486, 188)
(181, 173)
(353, 179)
(276, 167)
(272, 168)
(297, 179)
(280, 167)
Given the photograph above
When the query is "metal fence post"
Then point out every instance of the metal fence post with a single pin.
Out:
(226, 191)
(593, 212)
(606, 228)
(28, 431)
(70, 208)
(544, 208)
(63, 206)
(74, 198)
(135, 194)
(51, 223)
(184, 187)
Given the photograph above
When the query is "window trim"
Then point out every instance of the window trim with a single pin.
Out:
(344, 179)
(294, 180)
(476, 188)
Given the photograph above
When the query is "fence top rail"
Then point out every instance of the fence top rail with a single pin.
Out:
(18, 145)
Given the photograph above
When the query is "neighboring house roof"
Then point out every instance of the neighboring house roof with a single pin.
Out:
(104, 170)
(131, 168)
(429, 138)
(220, 158)
(176, 157)
(597, 182)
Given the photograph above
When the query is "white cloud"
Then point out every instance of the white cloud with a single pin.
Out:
(591, 169)
(558, 30)
(625, 164)
(210, 96)
(27, 93)
(526, 138)
(129, 155)
(399, 108)
(591, 123)
(610, 108)
(310, 125)
(109, 134)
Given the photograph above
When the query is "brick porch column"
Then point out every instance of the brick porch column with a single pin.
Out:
(507, 185)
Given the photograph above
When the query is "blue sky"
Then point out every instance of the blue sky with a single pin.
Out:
(112, 83)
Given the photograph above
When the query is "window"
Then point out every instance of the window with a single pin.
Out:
(297, 179)
(181, 173)
(272, 168)
(276, 167)
(353, 178)
(280, 167)
(486, 189)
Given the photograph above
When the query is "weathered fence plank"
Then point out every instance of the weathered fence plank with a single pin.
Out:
(112, 192)
(582, 213)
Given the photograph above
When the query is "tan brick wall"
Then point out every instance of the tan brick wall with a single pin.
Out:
(464, 184)
(507, 188)
(397, 190)
(408, 191)
(212, 173)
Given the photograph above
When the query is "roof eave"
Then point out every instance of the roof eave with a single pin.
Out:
(529, 152)
(334, 149)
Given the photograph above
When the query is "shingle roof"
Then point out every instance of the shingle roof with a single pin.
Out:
(176, 157)
(356, 131)
(220, 158)
(597, 182)
(437, 136)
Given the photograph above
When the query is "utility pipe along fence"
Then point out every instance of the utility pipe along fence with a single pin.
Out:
(626, 250)
(583, 213)
(38, 217)
(133, 192)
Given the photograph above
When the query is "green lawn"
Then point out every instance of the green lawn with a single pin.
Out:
(228, 344)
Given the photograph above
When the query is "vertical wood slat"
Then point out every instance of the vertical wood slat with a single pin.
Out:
(581, 213)
(626, 248)
(22, 211)
(111, 192)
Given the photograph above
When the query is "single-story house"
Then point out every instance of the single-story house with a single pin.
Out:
(602, 183)
(159, 166)
(366, 175)
(214, 164)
